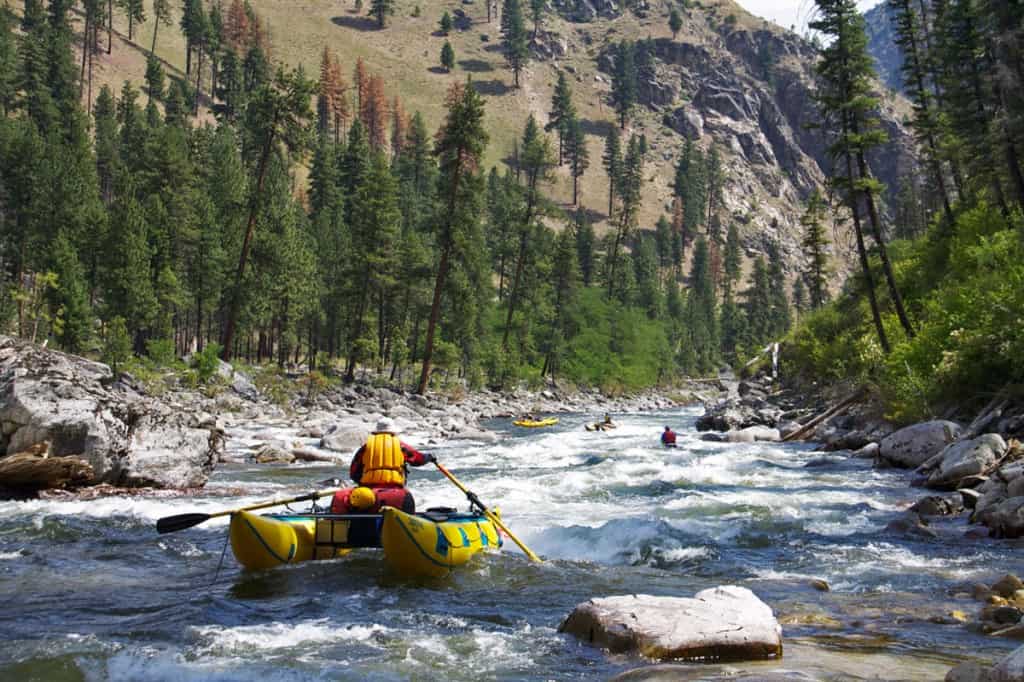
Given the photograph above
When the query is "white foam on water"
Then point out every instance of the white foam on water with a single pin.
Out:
(7, 556)
(272, 636)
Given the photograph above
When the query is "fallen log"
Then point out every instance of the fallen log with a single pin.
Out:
(34, 470)
(827, 414)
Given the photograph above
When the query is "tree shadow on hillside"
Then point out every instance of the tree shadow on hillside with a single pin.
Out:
(491, 88)
(359, 23)
(599, 128)
(439, 70)
(593, 216)
(475, 65)
(492, 47)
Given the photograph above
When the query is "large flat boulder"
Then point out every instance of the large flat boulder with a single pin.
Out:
(966, 458)
(912, 446)
(126, 438)
(720, 624)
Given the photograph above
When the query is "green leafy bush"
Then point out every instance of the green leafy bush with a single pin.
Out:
(160, 351)
(206, 363)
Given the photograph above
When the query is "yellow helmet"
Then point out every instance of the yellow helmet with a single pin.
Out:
(361, 498)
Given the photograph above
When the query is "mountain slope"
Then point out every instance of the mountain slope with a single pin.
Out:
(728, 79)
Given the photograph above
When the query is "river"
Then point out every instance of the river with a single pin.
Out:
(91, 592)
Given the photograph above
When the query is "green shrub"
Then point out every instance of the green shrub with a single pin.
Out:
(117, 345)
(206, 363)
(161, 351)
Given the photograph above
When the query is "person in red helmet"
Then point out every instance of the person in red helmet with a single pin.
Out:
(379, 470)
(668, 438)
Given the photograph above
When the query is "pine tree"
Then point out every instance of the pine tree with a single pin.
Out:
(757, 305)
(161, 15)
(460, 145)
(629, 194)
(399, 126)
(537, 15)
(845, 98)
(648, 285)
(675, 22)
(69, 299)
(562, 111)
(373, 112)
(127, 280)
(278, 113)
(908, 29)
(536, 162)
(612, 160)
(447, 56)
(732, 260)
(514, 41)
(106, 144)
(584, 232)
(8, 62)
(445, 24)
(817, 272)
(154, 79)
(381, 10)
(781, 315)
(701, 315)
(577, 154)
(624, 81)
(799, 296)
(135, 11)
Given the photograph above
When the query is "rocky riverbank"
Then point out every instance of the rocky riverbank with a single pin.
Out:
(68, 422)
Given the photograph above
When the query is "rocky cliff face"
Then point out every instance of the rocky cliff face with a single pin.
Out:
(746, 86)
(882, 45)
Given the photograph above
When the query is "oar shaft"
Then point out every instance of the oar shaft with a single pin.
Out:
(488, 513)
(276, 503)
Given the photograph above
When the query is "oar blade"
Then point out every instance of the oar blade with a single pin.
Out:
(172, 524)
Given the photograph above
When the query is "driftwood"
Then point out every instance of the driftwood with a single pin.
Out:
(827, 414)
(991, 412)
(35, 470)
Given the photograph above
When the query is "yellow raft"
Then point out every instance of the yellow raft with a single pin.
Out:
(430, 544)
(550, 421)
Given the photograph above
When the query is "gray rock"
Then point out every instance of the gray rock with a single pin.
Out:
(966, 458)
(753, 434)
(969, 672)
(912, 446)
(127, 439)
(345, 436)
(724, 623)
(1010, 669)
(869, 451)
(937, 505)
(1005, 519)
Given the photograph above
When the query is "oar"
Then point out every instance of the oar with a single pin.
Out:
(172, 524)
(487, 512)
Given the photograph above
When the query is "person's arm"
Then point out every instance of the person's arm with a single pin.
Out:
(355, 469)
(415, 457)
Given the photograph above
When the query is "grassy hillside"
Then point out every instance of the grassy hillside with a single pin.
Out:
(406, 54)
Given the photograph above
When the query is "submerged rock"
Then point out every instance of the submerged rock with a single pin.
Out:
(720, 624)
(910, 447)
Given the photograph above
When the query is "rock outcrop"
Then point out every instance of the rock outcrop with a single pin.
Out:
(74, 404)
(720, 624)
(912, 446)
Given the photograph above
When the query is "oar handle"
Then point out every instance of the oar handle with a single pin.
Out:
(492, 517)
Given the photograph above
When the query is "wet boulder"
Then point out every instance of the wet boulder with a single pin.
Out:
(346, 435)
(753, 434)
(938, 505)
(1006, 519)
(966, 458)
(726, 623)
(912, 446)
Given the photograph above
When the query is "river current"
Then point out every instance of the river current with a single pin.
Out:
(91, 592)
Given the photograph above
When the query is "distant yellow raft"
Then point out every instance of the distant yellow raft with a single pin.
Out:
(530, 424)
(415, 545)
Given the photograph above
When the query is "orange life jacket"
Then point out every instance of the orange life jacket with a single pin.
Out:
(383, 460)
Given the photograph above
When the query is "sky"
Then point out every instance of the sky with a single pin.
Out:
(788, 13)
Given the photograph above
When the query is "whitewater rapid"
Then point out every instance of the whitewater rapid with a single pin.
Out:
(93, 593)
